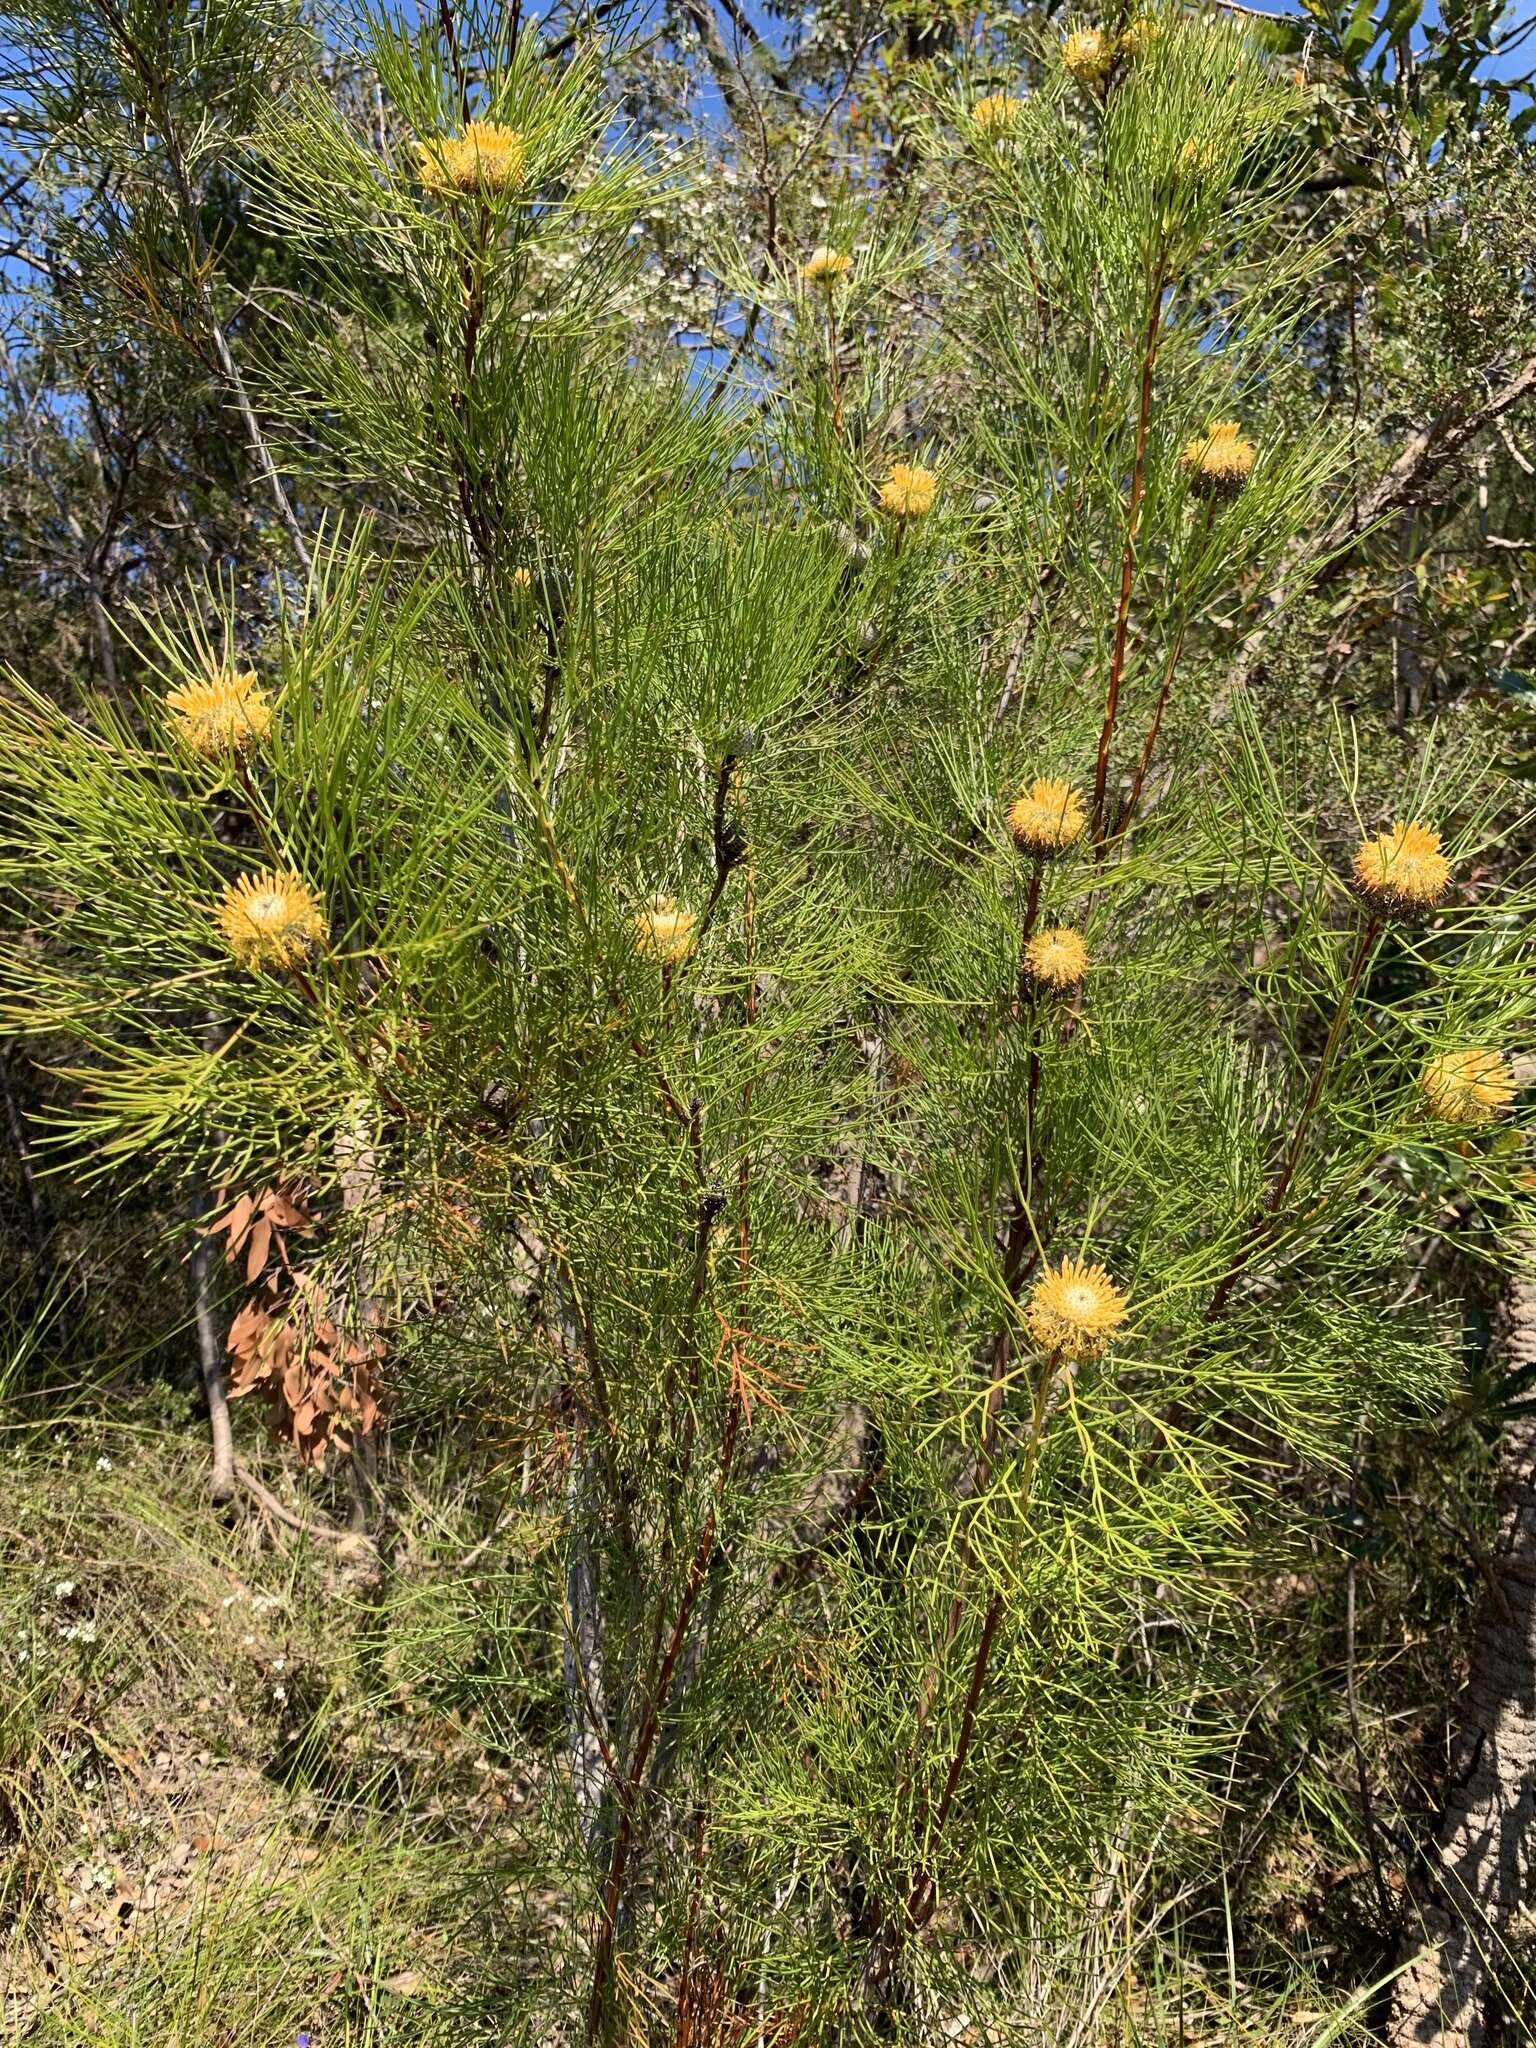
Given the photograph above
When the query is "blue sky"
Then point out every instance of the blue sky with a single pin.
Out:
(1513, 63)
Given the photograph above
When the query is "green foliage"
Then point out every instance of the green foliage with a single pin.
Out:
(671, 1089)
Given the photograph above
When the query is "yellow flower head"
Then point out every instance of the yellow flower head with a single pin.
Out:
(1074, 1310)
(908, 491)
(826, 266)
(1218, 461)
(1402, 872)
(998, 114)
(1056, 958)
(221, 713)
(1047, 818)
(1467, 1087)
(665, 932)
(1201, 160)
(271, 921)
(1138, 36)
(486, 157)
(1089, 55)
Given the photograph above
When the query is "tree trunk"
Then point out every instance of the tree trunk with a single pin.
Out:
(362, 1194)
(221, 1486)
(1482, 1864)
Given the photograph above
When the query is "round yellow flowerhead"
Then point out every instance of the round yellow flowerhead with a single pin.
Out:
(1218, 461)
(908, 491)
(1047, 818)
(485, 157)
(1200, 160)
(222, 713)
(1089, 55)
(998, 114)
(1138, 36)
(826, 266)
(1467, 1087)
(1074, 1310)
(1056, 958)
(1402, 873)
(665, 932)
(271, 921)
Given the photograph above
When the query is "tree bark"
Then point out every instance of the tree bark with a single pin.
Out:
(362, 1194)
(221, 1486)
(1484, 1860)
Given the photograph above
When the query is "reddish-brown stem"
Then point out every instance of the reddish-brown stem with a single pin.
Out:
(1128, 809)
(1280, 1187)
(684, 2028)
(1128, 557)
(1041, 305)
(744, 1172)
(650, 1728)
(304, 985)
(1019, 1257)
(450, 34)
(924, 1893)
(1026, 931)
(1032, 903)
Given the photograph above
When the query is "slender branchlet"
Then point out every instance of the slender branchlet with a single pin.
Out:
(1128, 558)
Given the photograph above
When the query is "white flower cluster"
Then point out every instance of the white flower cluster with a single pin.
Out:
(259, 1603)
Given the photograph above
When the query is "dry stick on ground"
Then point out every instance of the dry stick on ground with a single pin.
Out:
(362, 1196)
(221, 1480)
(323, 1532)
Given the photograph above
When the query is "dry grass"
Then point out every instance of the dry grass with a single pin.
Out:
(251, 1785)
(210, 1834)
